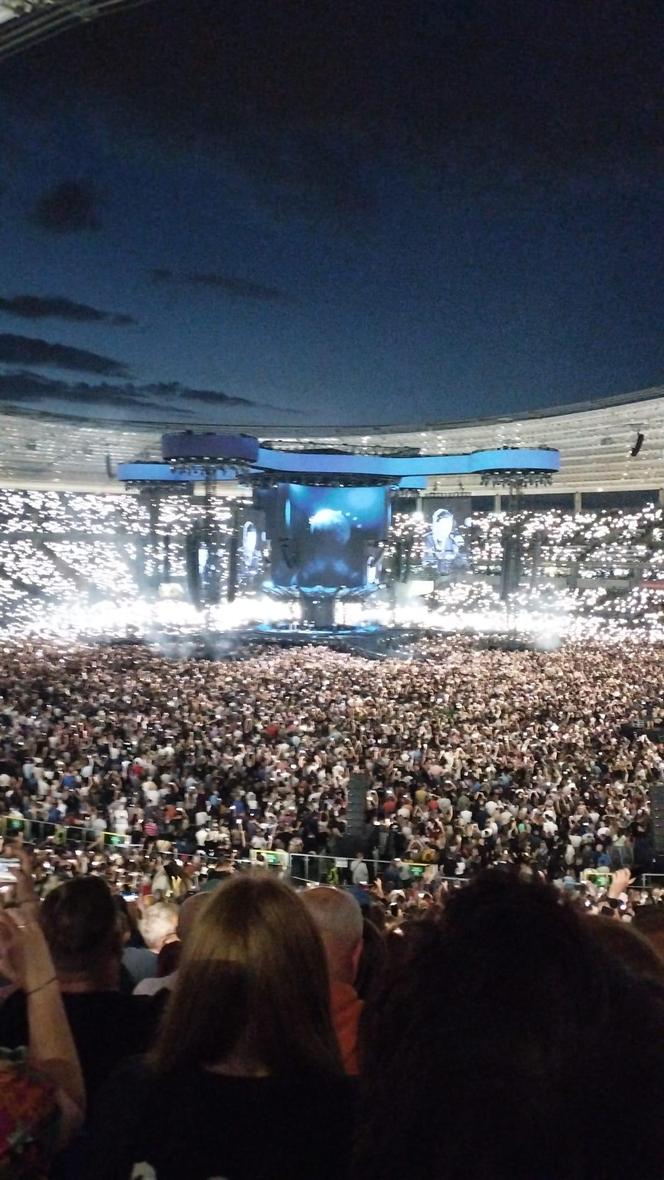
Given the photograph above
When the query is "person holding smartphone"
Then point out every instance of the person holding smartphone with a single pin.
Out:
(42, 1096)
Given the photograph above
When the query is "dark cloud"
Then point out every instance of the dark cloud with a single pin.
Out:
(227, 284)
(55, 307)
(165, 397)
(173, 390)
(31, 387)
(27, 350)
(211, 397)
(68, 208)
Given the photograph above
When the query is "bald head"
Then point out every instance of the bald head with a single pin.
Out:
(339, 920)
(189, 911)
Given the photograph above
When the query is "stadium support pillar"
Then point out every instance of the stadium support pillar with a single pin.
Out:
(578, 503)
(660, 497)
(232, 558)
(140, 564)
(497, 503)
(512, 563)
(191, 548)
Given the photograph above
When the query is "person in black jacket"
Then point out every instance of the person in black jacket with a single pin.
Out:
(79, 921)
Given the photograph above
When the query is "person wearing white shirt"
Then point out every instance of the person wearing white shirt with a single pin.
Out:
(120, 819)
(150, 793)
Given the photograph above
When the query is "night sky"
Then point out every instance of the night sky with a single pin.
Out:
(318, 211)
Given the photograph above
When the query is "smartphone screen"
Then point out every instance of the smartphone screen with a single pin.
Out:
(9, 866)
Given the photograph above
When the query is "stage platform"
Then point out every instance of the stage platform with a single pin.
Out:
(372, 642)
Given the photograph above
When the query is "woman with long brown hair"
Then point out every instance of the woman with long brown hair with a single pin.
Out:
(244, 1080)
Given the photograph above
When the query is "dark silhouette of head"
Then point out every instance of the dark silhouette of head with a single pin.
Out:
(649, 921)
(80, 921)
(514, 1046)
(631, 947)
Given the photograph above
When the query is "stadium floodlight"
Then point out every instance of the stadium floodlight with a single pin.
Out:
(24, 23)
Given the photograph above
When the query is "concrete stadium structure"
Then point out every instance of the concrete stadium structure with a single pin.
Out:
(595, 440)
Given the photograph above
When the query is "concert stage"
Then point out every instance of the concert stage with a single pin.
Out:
(371, 642)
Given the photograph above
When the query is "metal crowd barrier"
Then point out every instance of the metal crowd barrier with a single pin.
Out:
(316, 869)
(39, 831)
(305, 868)
(308, 868)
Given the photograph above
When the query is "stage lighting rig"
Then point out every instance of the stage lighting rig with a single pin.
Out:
(516, 481)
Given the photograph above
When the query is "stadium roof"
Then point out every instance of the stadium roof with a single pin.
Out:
(594, 438)
(24, 23)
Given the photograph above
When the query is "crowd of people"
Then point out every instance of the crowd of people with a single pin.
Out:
(505, 1030)
(210, 967)
(298, 911)
(470, 756)
(61, 549)
(104, 557)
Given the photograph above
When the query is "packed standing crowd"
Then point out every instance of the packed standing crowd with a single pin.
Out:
(471, 756)
(175, 998)
(159, 814)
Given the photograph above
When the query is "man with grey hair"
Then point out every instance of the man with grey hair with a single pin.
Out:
(157, 924)
(339, 920)
(186, 916)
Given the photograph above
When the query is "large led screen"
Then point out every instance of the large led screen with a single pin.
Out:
(325, 539)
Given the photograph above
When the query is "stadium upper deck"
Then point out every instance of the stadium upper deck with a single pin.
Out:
(595, 440)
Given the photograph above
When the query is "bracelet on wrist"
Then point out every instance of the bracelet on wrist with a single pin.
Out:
(47, 983)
